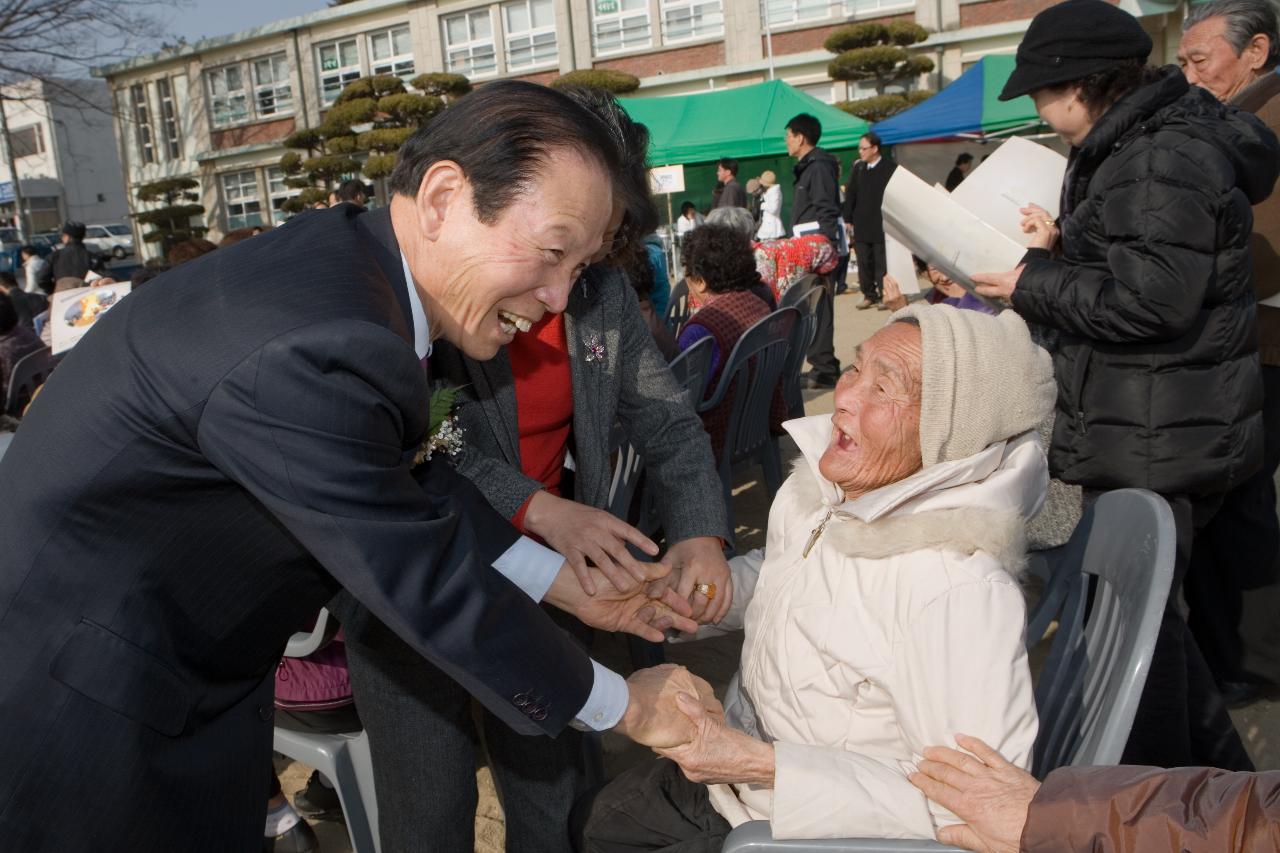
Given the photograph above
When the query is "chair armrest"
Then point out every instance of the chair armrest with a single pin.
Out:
(755, 837)
(305, 643)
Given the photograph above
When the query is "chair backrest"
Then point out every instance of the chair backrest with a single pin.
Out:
(692, 369)
(626, 473)
(796, 295)
(305, 643)
(752, 374)
(26, 376)
(801, 339)
(678, 307)
(1107, 590)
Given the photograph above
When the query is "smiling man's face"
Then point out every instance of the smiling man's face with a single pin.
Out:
(486, 283)
(875, 429)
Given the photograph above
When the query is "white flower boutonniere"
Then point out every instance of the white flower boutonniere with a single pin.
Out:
(444, 435)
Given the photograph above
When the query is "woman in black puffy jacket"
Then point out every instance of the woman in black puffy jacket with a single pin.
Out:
(1143, 285)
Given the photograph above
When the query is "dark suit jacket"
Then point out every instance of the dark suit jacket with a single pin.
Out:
(733, 195)
(211, 462)
(863, 196)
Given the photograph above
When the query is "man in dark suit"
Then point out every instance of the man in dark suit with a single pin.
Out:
(230, 446)
(862, 199)
(731, 194)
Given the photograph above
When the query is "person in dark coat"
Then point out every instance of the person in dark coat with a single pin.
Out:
(72, 259)
(1149, 296)
(964, 165)
(731, 192)
(28, 305)
(815, 209)
(862, 199)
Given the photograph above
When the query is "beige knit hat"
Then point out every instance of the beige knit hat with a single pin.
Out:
(984, 380)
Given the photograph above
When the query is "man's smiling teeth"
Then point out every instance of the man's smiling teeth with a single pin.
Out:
(512, 322)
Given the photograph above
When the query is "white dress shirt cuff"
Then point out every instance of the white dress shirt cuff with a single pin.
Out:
(606, 703)
(530, 566)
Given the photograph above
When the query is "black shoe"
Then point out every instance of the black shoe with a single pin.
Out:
(316, 800)
(300, 839)
(813, 379)
(841, 288)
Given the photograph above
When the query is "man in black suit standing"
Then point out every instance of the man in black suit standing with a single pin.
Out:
(732, 194)
(863, 196)
(230, 446)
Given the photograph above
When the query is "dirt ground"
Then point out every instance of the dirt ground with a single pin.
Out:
(717, 659)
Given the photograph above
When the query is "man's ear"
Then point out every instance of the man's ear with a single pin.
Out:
(1258, 48)
(439, 196)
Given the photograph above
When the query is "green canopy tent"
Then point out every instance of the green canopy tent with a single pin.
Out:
(746, 123)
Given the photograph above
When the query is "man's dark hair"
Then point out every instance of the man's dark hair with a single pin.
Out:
(686, 207)
(872, 138)
(500, 136)
(631, 181)
(1242, 20)
(74, 230)
(807, 126)
(8, 315)
(1100, 90)
(730, 165)
(7, 279)
(721, 256)
(352, 190)
(966, 157)
(29, 250)
(189, 250)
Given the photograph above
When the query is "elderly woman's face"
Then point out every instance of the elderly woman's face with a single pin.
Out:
(875, 435)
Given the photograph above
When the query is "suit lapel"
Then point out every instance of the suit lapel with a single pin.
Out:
(380, 237)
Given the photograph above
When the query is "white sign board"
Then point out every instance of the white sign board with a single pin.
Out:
(665, 180)
(73, 312)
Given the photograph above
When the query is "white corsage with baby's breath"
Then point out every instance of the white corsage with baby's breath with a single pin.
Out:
(444, 433)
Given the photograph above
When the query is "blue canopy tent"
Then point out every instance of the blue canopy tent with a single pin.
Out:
(969, 106)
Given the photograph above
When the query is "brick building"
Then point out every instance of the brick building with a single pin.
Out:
(217, 109)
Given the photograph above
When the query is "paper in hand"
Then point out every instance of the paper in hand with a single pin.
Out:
(899, 264)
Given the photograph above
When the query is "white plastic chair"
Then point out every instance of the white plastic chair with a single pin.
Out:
(344, 759)
(1117, 568)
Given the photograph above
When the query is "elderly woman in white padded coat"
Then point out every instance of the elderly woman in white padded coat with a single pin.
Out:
(884, 614)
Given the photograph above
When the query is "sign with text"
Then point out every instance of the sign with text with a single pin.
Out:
(665, 180)
(73, 312)
(606, 7)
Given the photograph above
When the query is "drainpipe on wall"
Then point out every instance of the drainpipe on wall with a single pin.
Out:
(573, 41)
(302, 89)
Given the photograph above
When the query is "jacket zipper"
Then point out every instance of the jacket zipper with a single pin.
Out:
(816, 533)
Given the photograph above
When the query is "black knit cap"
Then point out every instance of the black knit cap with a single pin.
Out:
(1073, 40)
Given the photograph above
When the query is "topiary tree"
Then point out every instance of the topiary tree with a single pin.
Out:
(616, 82)
(171, 221)
(369, 121)
(878, 53)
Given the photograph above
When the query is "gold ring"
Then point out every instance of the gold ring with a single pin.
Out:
(707, 589)
(1050, 223)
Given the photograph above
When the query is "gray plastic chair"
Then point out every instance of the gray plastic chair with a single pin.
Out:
(692, 369)
(752, 373)
(1117, 568)
(801, 339)
(344, 759)
(677, 307)
(798, 293)
(27, 374)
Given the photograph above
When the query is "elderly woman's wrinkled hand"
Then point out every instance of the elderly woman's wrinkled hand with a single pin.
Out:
(653, 717)
(1042, 227)
(988, 793)
(701, 575)
(589, 538)
(718, 754)
(893, 294)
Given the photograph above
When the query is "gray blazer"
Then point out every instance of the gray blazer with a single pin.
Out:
(628, 381)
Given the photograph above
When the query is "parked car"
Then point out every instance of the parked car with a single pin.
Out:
(110, 239)
(46, 240)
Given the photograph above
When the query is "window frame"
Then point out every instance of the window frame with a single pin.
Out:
(169, 118)
(342, 74)
(279, 91)
(140, 110)
(278, 216)
(531, 35)
(795, 7)
(37, 137)
(666, 7)
(395, 59)
(243, 201)
(468, 68)
(874, 7)
(621, 17)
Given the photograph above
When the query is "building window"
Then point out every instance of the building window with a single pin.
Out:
(624, 27)
(822, 91)
(240, 191)
(279, 193)
(339, 65)
(783, 12)
(391, 52)
(691, 19)
(468, 43)
(227, 95)
(169, 119)
(530, 30)
(142, 122)
(272, 89)
(27, 141)
(869, 7)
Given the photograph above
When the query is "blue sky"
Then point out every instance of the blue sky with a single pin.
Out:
(200, 18)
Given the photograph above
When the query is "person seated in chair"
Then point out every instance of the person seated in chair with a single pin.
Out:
(721, 274)
(883, 615)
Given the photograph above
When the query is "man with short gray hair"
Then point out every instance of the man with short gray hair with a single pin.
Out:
(1231, 49)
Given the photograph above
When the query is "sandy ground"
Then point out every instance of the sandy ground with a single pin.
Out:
(717, 659)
